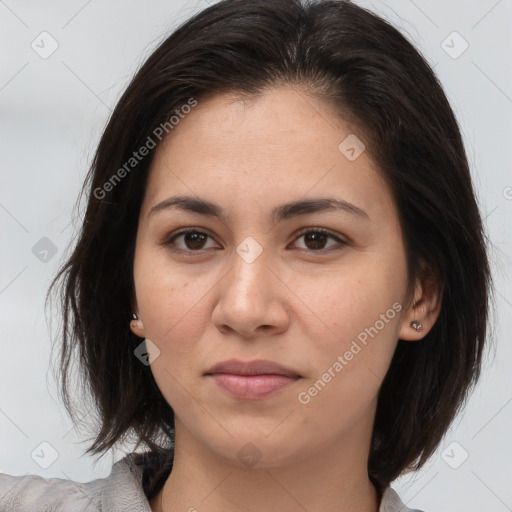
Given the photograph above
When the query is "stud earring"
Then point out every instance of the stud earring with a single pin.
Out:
(137, 321)
(416, 324)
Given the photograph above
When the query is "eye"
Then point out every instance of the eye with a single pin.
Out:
(315, 239)
(193, 239)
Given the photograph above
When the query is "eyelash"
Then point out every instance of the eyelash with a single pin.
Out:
(169, 240)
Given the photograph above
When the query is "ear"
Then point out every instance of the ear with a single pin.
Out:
(136, 324)
(425, 308)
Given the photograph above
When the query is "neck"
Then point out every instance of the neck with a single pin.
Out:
(332, 478)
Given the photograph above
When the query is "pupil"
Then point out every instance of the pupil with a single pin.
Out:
(197, 238)
(317, 244)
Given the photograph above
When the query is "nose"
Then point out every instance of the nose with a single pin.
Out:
(251, 299)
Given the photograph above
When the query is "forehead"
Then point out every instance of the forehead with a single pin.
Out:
(279, 146)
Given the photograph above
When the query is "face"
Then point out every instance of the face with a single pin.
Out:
(318, 290)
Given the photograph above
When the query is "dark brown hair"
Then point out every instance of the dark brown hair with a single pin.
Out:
(375, 79)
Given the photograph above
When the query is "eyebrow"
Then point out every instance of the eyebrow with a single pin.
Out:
(278, 214)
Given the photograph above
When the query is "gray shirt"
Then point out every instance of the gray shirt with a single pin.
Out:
(121, 491)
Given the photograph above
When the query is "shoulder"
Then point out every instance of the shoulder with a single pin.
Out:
(124, 490)
(391, 502)
(120, 491)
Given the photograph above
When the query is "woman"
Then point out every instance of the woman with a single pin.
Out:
(281, 285)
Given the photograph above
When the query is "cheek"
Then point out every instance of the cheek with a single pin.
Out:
(342, 303)
(172, 303)
(354, 314)
(350, 347)
(174, 320)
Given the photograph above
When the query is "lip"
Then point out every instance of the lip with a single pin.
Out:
(251, 387)
(252, 380)
(255, 367)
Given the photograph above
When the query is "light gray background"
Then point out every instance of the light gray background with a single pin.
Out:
(52, 112)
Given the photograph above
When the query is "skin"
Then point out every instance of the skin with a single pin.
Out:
(300, 303)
